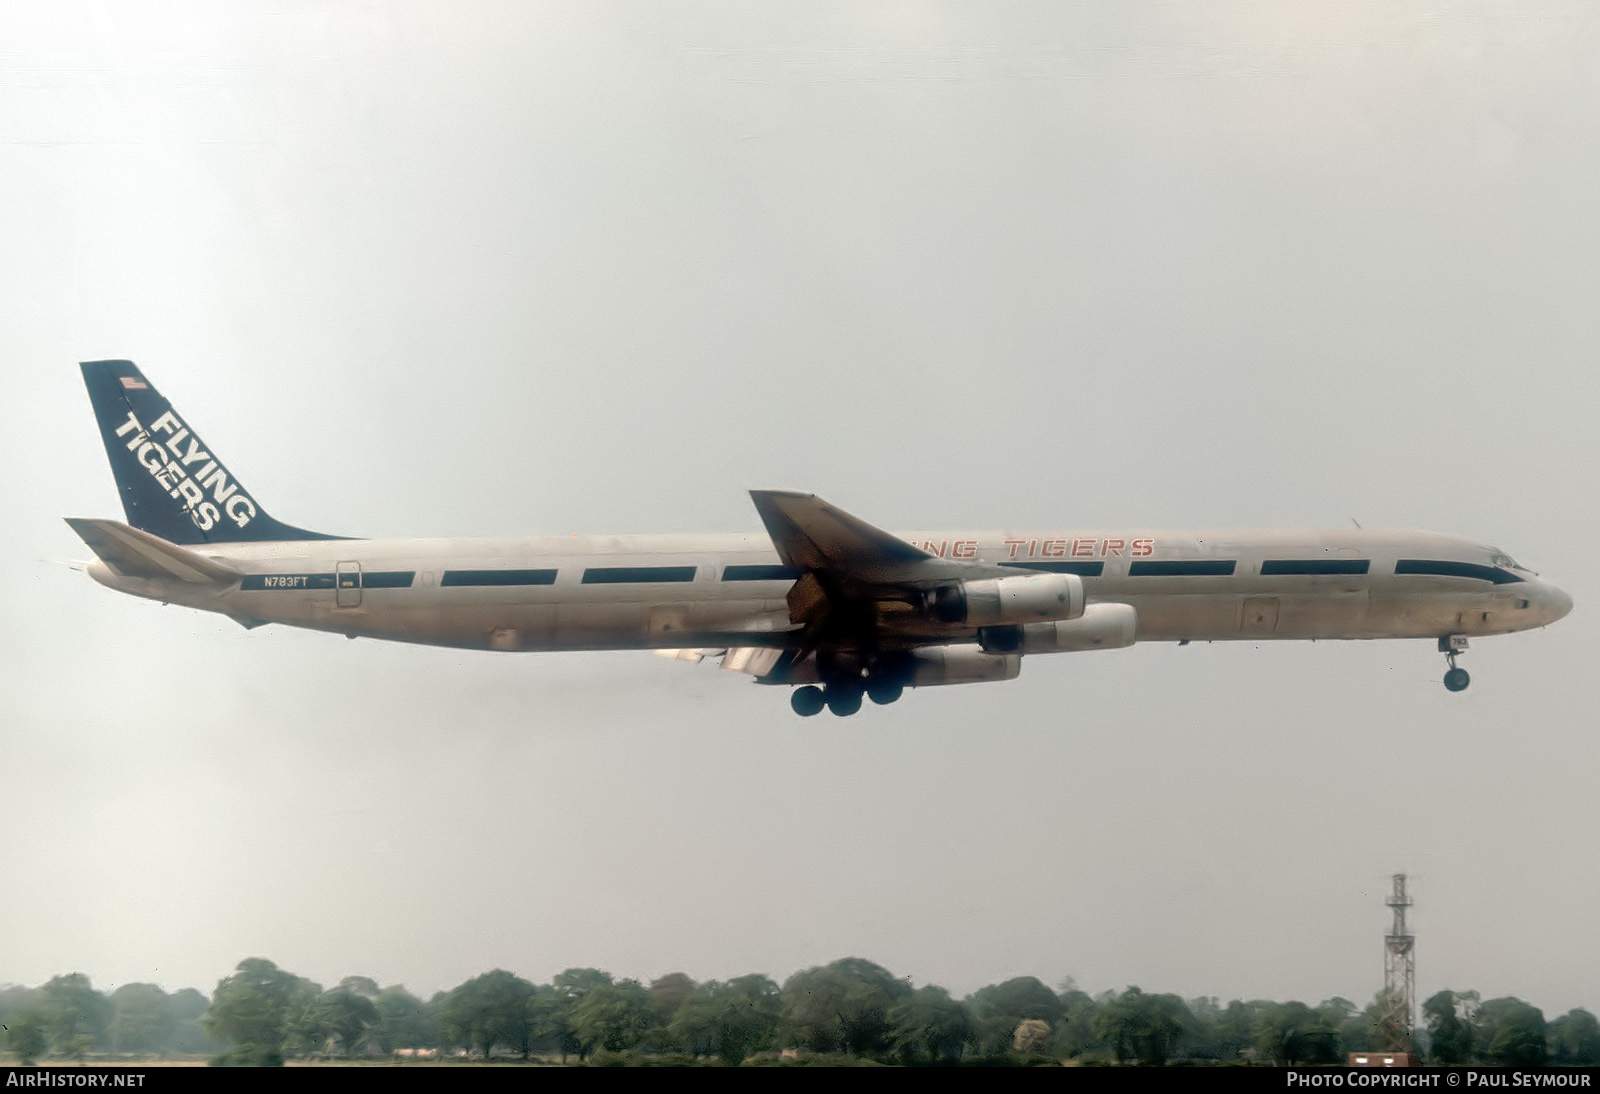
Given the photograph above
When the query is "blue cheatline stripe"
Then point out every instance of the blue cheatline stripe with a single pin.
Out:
(379, 579)
(636, 575)
(276, 582)
(1281, 567)
(387, 579)
(1437, 568)
(761, 573)
(1082, 569)
(498, 577)
(1182, 568)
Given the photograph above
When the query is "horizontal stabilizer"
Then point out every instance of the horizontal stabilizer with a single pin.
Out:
(132, 553)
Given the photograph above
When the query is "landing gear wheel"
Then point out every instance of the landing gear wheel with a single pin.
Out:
(807, 701)
(885, 693)
(1453, 646)
(843, 701)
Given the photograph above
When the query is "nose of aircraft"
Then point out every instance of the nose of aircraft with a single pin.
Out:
(1557, 603)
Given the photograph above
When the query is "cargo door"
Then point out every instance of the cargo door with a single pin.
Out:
(347, 583)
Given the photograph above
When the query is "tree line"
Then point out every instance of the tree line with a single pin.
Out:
(850, 1010)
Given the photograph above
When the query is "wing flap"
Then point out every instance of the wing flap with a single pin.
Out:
(755, 660)
(693, 656)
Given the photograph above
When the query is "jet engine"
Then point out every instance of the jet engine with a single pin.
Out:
(932, 666)
(1100, 627)
(1026, 598)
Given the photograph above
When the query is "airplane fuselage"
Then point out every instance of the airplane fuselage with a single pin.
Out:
(633, 592)
(824, 601)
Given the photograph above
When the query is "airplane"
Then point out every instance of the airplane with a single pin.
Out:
(824, 603)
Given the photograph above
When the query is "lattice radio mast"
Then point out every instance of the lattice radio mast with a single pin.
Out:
(1399, 974)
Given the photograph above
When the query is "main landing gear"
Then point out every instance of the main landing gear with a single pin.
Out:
(1451, 645)
(843, 698)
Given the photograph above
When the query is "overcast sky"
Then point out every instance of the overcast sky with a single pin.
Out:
(501, 268)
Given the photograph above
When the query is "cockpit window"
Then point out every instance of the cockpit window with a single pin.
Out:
(1506, 562)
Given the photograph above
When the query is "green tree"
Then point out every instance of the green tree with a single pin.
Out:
(549, 1028)
(669, 993)
(999, 1008)
(75, 1015)
(930, 1027)
(16, 1001)
(309, 1033)
(1364, 1031)
(1293, 1034)
(1512, 1033)
(25, 1035)
(1337, 1011)
(1447, 1016)
(256, 1010)
(1575, 1039)
(1238, 1026)
(556, 1013)
(364, 986)
(142, 1019)
(615, 1017)
(489, 1010)
(349, 1013)
(404, 1021)
(189, 1009)
(1075, 1034)
(843, 1006)
(1143, 1027)
(730, 1020)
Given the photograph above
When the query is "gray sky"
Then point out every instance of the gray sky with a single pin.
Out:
(485, 269)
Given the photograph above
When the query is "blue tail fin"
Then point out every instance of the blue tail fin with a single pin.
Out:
(171, 484)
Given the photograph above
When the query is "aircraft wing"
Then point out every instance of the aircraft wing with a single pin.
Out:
(859, 581)
(812, 535)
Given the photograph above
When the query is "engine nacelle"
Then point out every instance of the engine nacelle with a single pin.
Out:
(936, 665)
(1100, 627)
(1026, 598)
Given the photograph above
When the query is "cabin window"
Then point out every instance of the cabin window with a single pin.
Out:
(498, 577)
(1082, 569)
(1182, 568)
(1279, 567)
(761, 573)
(636, 575)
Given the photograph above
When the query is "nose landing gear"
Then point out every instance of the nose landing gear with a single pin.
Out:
(1451, 645)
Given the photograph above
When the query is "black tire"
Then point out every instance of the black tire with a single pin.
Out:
(1457, 680)
(885, 693)
(843, 701)
(807, 701)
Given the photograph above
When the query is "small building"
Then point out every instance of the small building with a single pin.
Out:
(1381, 1059)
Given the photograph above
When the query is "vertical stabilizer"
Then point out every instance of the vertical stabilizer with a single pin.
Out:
(171, 483)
